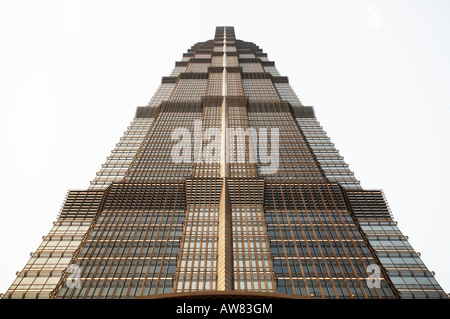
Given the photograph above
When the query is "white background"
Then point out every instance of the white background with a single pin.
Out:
(73, 72)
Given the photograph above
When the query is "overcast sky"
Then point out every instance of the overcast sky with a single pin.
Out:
(73, 72)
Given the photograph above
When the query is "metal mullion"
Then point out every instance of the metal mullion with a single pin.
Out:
(207, 207)
(289, 165)
(241, 223)
(336, 239)
(303, 150)
(245, 231)
(314, 233)
(296, 248)
(184, 235)
(357, 250)
(152, 249)
(193, 235)
(238, 271)
(241, 251)
(250, 188)
(250, 239)
(92, 273)
(246, 124)
(214, 254)
(191, 250)
(326, 235)
(127, 239)
(129, 250)
(108, 270)
(370, 207)
(211, 236)
(164, 256)
(116, 255)
(266, 236)
(200, 273)
(314, 163)
(137, 159)
(323, 227)
(260, 209)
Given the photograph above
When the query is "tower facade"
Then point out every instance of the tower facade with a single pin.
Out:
(225, 183)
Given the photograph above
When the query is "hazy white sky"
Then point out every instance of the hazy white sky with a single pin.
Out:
(73, 72)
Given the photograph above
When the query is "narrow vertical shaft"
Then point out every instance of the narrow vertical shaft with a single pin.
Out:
(225, 233)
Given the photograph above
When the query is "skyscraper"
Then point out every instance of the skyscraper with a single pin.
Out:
(225, 183)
